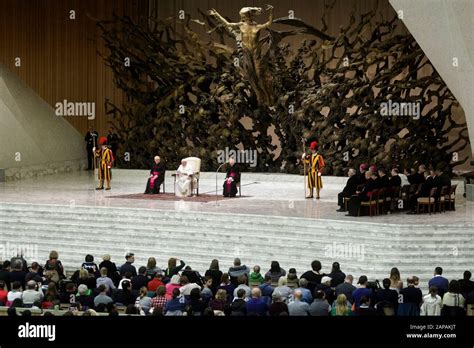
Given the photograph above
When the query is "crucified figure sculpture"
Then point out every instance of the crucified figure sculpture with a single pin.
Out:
(247, 34)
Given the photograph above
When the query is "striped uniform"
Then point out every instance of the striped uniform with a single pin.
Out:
(105, 165)
(316, 164)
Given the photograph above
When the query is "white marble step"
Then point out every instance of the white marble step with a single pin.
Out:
(199, 237)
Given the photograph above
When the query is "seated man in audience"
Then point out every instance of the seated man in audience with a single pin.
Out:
(257, 305)
(184, 180)
(361, 177)
(466, 284)
(410, 299)
(349, 189)
(395, 180)
(32, 293)
(320, 306)
(346, 288)
(362, 291)
(424, 191)
(387, 295)
(298, 307)
(157, 173)
(439, 281)
(364, 195)
(416, 177)
(383, 179)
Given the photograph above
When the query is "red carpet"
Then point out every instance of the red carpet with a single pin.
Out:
(202, 198)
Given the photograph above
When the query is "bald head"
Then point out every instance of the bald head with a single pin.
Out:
(232, 161)
(298, 294)
(157, 159)
(256, 293)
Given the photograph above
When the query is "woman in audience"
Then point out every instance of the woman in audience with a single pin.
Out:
(151, 268)
(125, 296)
(86, 278)
(172, 268)
(175, 283)
(215, 274)
(276, 272)
(3, 293)
(227, 286)
(395, 281)
(341, 308)
(54, 267)
(143, 302)
(453, 297)
(14, 293)
(283, 289)
(219, 303)
(432, 303)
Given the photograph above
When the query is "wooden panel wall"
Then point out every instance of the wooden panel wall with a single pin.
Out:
(59, 57)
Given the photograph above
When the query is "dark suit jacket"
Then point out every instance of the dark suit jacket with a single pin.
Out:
(351, 186)
(395, 181)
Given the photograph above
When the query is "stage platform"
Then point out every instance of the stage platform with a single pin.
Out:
(271, 221)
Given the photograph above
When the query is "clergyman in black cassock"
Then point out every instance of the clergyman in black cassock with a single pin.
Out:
(355, 201)
(232, 179)
(349, 189)
(156, 178)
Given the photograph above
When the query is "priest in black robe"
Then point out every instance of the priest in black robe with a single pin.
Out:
(364, 195)
(157, 176)
(349, 190)
(232, 179)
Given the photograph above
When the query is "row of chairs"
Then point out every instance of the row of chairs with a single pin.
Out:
(387, 199)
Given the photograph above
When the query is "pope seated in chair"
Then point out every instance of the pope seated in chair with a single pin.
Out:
(184, 180)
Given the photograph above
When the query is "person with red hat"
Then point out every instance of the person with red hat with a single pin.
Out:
(316, 164)
(105, 164)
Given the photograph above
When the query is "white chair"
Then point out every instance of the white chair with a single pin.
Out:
(195, 164)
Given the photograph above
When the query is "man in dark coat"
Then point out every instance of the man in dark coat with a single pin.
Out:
(91, 142)
(364, 195)
(349, 189)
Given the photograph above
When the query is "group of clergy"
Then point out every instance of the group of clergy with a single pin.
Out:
(184, 178)
(360, 185)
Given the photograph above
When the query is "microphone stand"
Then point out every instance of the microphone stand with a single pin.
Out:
(217, 172)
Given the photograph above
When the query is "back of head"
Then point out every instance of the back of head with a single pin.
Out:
(242, 279)
(319, 294)
(467, 275)
(241, 293)
(303, 283)
(438, 271)
(316, 265)
(386, 283)
(237, 262)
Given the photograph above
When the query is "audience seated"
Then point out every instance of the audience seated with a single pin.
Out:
(178, 296)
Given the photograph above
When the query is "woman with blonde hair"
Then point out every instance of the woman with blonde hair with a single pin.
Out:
(395, 280)
(151, 268)
(219, 303)
(53, 267)
(283, 289)
(341, 308)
